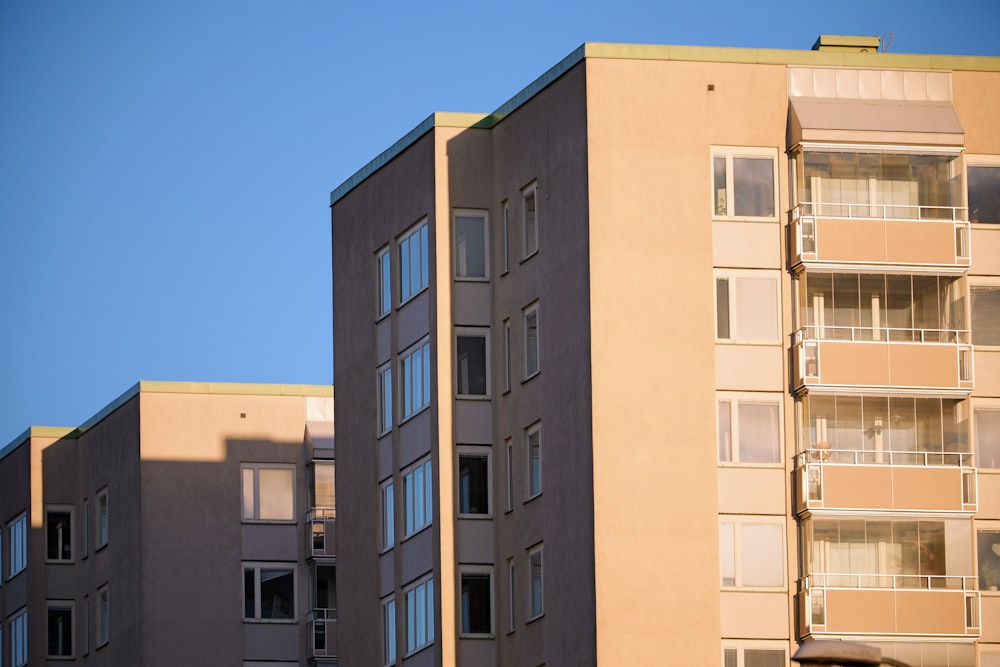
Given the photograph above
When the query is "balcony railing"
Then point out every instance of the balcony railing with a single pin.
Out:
(323, 633)
(892, 234)
(321, 536)
(848, 356)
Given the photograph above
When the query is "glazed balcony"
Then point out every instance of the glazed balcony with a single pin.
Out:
(323, 633)
(839, 604)
(938, 360)
(825, 234)
(321, 536)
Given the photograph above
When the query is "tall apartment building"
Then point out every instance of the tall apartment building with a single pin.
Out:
(184, 524)
(682, 356)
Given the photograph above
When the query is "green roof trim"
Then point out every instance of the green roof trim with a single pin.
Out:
(667, 52)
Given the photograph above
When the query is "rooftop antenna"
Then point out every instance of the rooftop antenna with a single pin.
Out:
(887, 41)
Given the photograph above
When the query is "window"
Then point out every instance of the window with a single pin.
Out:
(985, 314)
(17, 538)
(531, 340)
(383, 265)
(534, 441)
(324, 485)
(988, 551)
(85, 635)
(389, 632)
(746, 306)
(510, 474)
(506, 237)
(415, 376)
(419, 615)
(103, 616)
(418, 505)
(388, 515)
(477, 600)
(60, 629)
(511, 605)
(413, 269)
(85, 546)
(474, 483)
(755, 654)
(471, 364)
(59, 534)
(268, 492)
(530, 220)
(743, 182)
(384, 399)
(987, 437)
(506, 355)
(535, 583)
(269, 591)
(751, 552)
(749, 429)
(984, 193)
(1, 584)
(470, 246)
(19, 638)
(102, 517)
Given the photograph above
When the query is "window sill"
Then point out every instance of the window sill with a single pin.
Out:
(472, 397)
(59, 561)
(476, 517)
(477, 635)
(782, 590)
(269, 522)
(753, 343)
(528, 378)
(383, 316)
(412, 297)
(771, 465)
(270, 621)
(527, 257)
(415, 533)
(472, 279)
(418, 650)
(101, 547)
(60, 657)
(382, 434)
(534, 618)
(413, 415)
(744, 218)
(387, 550)
(530, 498)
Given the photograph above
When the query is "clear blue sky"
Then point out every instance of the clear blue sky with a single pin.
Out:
(165, 167)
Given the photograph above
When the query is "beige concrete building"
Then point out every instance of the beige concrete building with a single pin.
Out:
(184, 524)
(682, 356)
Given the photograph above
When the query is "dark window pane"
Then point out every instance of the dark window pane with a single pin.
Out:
(476, 604)
(473, 485)
(471, 365)
(984, 194)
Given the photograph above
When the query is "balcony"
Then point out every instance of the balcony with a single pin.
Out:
(938, 360)
(866, 480)
(824, 234)
(888, 604)
(323, 633)
(321, 537)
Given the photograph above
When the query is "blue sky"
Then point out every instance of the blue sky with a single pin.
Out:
(165, 168)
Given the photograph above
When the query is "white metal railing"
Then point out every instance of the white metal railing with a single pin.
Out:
(854, 581)
(324, 632)
(821, 455)
(880, 335)
(880, 211)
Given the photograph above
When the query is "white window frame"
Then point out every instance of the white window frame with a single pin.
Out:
(511, 597)
(534, 486)
(506, 355)
(474, 332)
(384, 417)
(411, 384)
(483, 217)
(103, 628)
(973, 161)
(257, 566)
(738, 522)
(383, 282)
(18, 637)
(477, 452)
(71, 532)
(103, 519)
(743, 645)
(389, 649)
(735, 399)
(69, 605)
(529, 236)
(418, 594)
(736, 328)
(420, 234)
(17, 542)
(418, 497)
(254, 469)
(536, 598)
(509, 442)
(506, 237)
(387, 502)
(527, 313)
(477, 570)
(729, 152)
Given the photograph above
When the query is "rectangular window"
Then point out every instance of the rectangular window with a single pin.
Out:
(984, 193)
(474, 483)
(85, 533)
(754, 654)
(506, 355)
(419, 615)
(85, 634)
(269, 591)
(535, 583)
(471, 364)
(389, 632)
(746, 306)
(988, 548)
(743, 182)
(985, 314)
(751, 552)
(103, 616)
(533, 436)
(529, 195)
(384, 399)
(510, 474)
(531, 340)
(388, 515)
(17, 538)
(414, 273)
(324, 485)
(477, 601)
(470, 246)
(749, 428)
(506, 237)
(60, 629)
(19, 638)
(383, 266)
(511, 605)
(268, 492)
(59, 534)
(415, 377)
(418, 505)
(986, 425)
(102, 517)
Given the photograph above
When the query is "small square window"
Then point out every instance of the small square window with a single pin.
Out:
(743, 182)
(746, 307)
(749, 428)
(473, 483)
(477, 601)
(269, 591)
(268, 492)
(751, 552)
